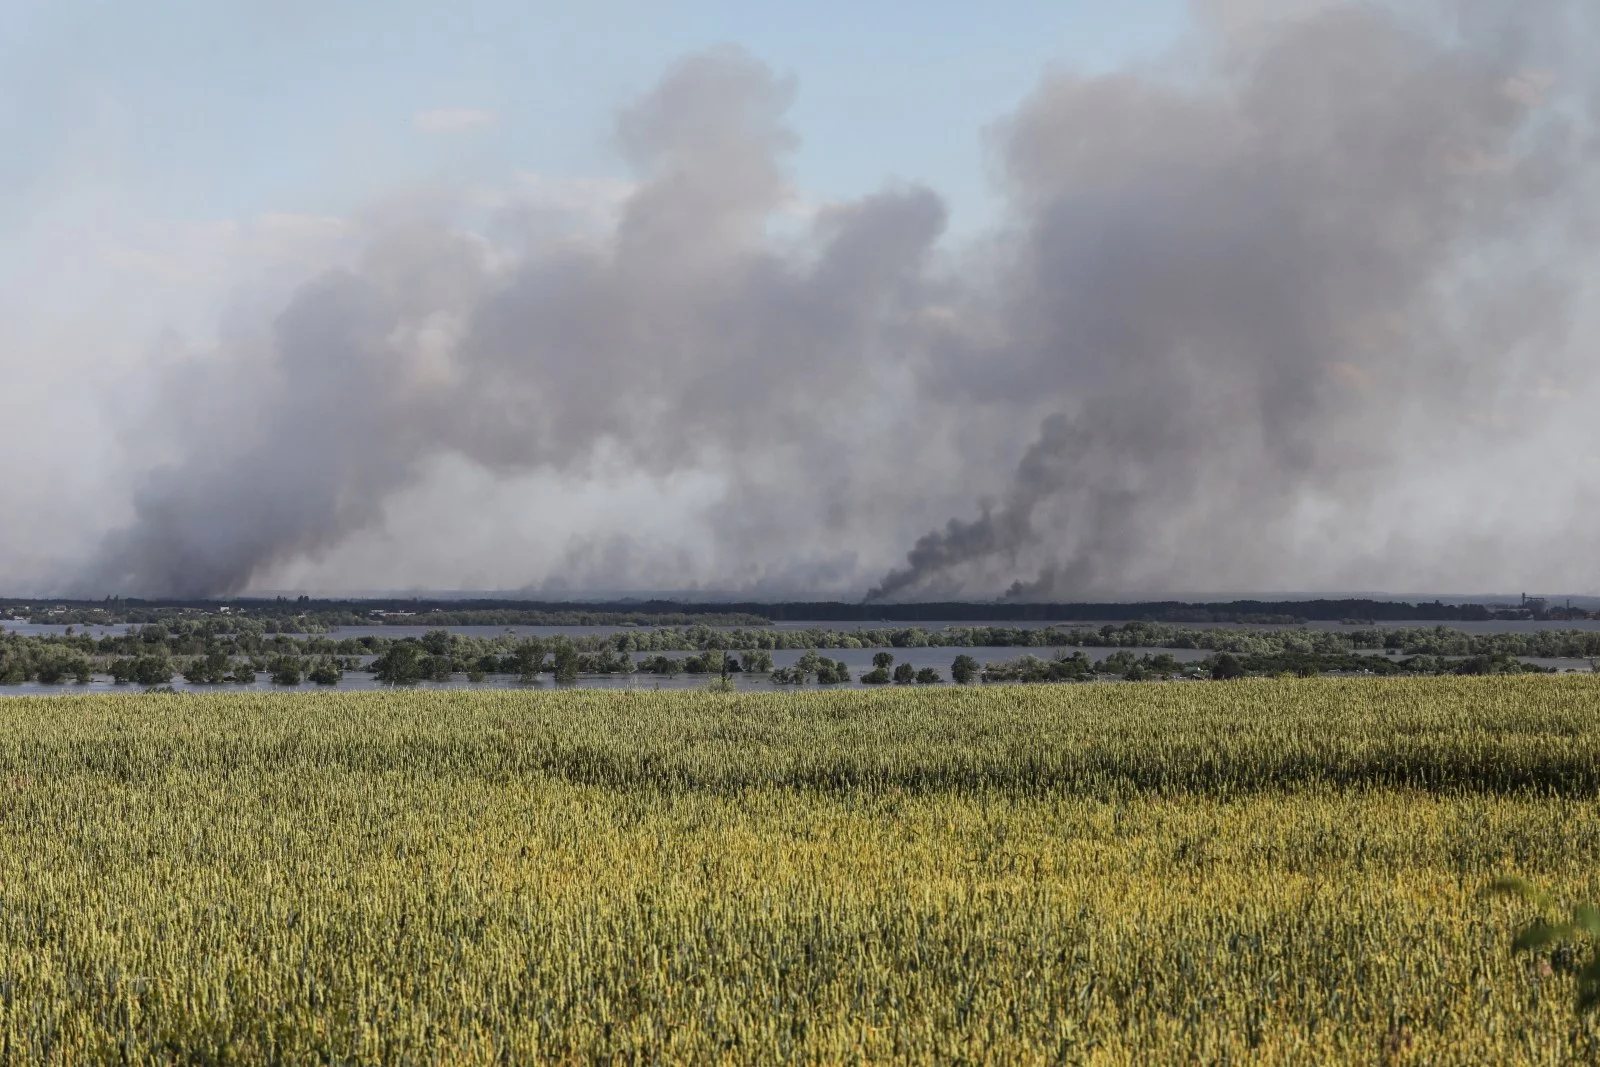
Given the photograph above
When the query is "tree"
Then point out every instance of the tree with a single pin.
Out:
(1226, 666)
(659, 664)
(811, 662)
(929, 676)
(244, 672)
(152, 670)
(876, 676)
(756, 661)
(904, 674)
(964, 670)
(285, 670)
(1119, 663)
(529, 660)
(435, 668)
(326, 672)
(883, 660)
(212, 669)
(566, 664)
(13, 670)
(399, 665)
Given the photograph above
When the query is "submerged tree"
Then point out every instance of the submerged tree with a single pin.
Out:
(566, 663)
(528, 660)
(400, 664)
(285, 670)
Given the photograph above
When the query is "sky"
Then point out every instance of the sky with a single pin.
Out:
(197, 112)
(1070, 299)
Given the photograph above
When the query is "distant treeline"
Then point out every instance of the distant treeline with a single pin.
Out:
(183, 637)
(307, 615)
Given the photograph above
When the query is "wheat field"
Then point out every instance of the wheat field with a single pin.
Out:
(1263, 871)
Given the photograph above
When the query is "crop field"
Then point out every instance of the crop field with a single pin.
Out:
(1278, 871)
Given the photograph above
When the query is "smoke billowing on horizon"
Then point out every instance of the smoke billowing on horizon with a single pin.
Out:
(1305, 306)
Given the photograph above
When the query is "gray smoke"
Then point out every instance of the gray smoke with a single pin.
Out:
(1234, 301)
(686, 332)
(1252, 292)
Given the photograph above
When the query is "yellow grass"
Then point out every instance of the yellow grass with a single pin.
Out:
(1263, 871)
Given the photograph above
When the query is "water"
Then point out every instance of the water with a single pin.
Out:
(46, 629)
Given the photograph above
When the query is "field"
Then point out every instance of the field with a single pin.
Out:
(1281, 871)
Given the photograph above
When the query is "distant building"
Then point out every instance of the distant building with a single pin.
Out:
(1535, 604)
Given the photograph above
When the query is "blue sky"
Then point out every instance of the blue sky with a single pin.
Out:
(194, 110)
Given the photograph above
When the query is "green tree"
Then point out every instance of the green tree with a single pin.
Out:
(834, 673)
(325, 672)
(152, 670)
(566, 663)
(883, 660)
(437, 642)
(964, 670)
(904, 674)
(528, 660)
(210, 669)
(435, 668)
(285, 670)
(810, 662)
(929, 676)
(1226, 666)
(400, 664)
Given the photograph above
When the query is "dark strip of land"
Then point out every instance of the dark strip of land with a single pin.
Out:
(510, 612)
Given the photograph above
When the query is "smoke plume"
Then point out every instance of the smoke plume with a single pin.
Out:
(1252, 319)
(1254, 297)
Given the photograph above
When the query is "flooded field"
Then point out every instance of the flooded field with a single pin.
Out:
(859, 661)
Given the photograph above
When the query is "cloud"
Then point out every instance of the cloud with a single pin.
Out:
(445, 120)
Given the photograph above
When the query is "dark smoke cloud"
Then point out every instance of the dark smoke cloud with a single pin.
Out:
(1231, 299)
